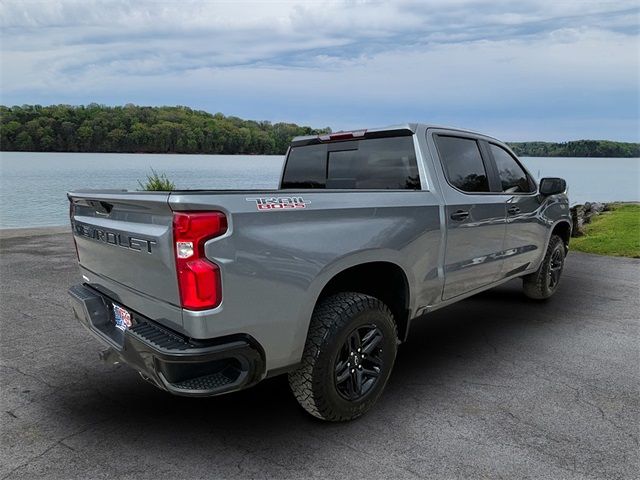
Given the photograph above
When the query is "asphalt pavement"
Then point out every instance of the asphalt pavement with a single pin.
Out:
(496, 386)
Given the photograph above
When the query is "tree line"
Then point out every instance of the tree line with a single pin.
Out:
(577, 148)
(136, 129)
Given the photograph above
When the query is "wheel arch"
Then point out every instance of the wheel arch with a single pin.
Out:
(562, 228)
(384, 280)
(326, 280)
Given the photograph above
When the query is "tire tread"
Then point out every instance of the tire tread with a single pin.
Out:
(534, 284)
(329, 315)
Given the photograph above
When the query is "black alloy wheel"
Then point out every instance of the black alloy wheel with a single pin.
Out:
(544, 282)
(555, 268)
(359, 362)
(348, 357)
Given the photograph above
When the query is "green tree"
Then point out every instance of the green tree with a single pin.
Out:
(24, 142)
(84, 138)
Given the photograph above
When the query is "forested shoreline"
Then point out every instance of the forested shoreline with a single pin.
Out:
(577, 148)
(135, 129)
(138, 129)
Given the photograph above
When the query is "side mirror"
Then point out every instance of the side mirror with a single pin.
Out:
(552, 186)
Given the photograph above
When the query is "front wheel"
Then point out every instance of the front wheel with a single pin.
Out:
(544, 282)
(348, 357)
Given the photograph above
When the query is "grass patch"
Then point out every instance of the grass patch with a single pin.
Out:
(616, 232)
(157, 182)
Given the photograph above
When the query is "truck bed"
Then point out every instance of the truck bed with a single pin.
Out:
(279, 249)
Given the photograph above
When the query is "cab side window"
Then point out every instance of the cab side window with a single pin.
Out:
(462, 162)
(512, 176)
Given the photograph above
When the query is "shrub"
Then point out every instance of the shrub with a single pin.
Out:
(157, 182)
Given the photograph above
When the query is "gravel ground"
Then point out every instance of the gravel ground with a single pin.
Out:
(496, 386)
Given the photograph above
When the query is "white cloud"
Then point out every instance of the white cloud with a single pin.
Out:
(392, 56)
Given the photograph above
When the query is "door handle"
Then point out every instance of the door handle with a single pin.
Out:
(513, 210)
(459, 215)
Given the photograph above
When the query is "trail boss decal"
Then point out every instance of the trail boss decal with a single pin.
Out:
(279, 203)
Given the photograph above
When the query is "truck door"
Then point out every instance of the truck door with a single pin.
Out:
(475, 217)
(526, 231)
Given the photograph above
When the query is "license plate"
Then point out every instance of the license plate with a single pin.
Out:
(122, 317)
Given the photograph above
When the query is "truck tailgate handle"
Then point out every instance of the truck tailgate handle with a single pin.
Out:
(459, 215)
(100, 207)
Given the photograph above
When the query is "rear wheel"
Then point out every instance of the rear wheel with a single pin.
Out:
(348, 357)
(544, 282)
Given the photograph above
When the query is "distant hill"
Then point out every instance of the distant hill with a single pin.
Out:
(135, 129)
(577, 148)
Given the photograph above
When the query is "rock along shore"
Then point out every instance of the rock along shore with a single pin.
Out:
(582, 215)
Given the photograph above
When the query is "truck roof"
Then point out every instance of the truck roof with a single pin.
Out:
(391, 130)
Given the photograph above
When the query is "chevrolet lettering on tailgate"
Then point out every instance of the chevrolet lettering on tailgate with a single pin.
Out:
(113, 238)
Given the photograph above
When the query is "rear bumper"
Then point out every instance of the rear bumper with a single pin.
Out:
(167, 359)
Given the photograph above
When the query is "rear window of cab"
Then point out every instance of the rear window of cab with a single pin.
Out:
(374, 163)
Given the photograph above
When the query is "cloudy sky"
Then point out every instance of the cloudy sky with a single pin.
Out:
(520, 70)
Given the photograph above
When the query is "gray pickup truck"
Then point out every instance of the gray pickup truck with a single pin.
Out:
(207, 292)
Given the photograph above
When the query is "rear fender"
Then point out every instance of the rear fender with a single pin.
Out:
(330, 271)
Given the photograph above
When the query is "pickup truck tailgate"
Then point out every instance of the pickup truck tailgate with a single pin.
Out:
(125, 239)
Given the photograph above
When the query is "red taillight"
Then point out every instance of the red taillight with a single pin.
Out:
(198, 278)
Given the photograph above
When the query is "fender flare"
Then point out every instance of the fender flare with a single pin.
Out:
(336, 267)
(551, 229)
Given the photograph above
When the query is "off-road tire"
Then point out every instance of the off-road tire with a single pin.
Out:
(540, 285)
(315, 383)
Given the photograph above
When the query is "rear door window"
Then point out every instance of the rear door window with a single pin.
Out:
(376, 163)
(512, 176)
(462, 163)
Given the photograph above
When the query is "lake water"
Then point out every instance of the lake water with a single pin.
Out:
(33, 185)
